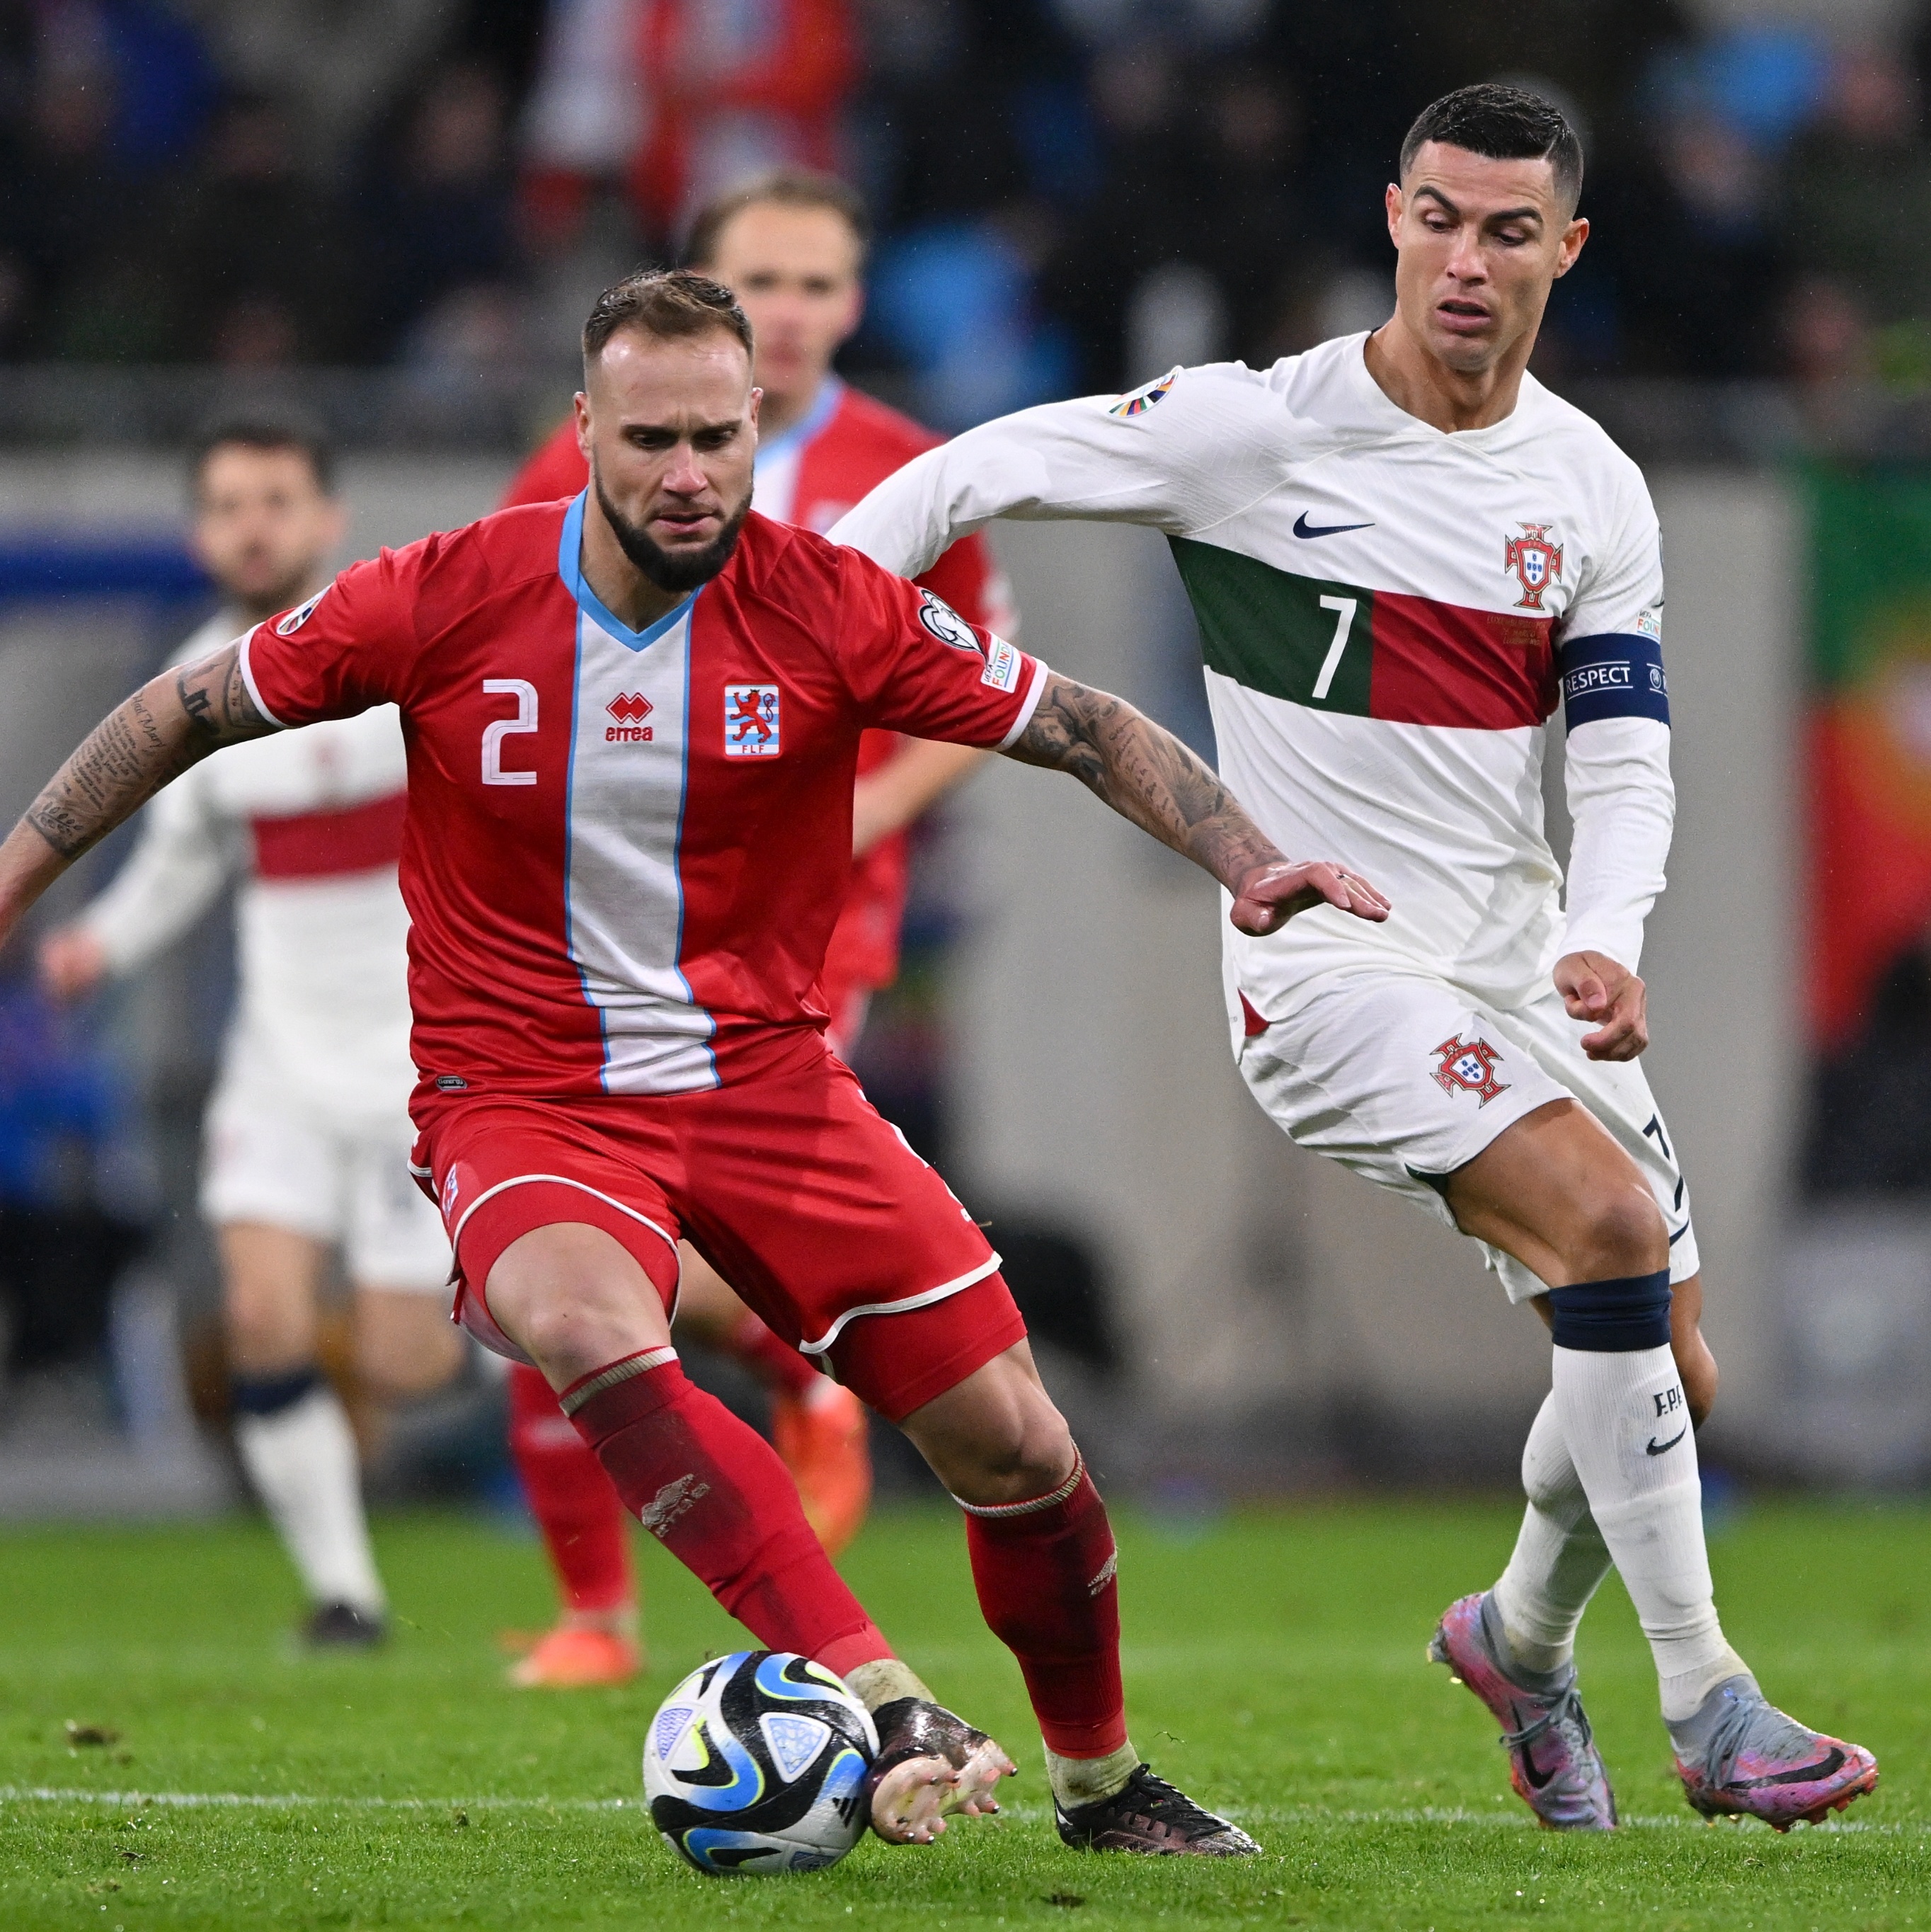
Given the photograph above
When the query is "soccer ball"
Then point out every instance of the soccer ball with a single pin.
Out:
(755, 1763)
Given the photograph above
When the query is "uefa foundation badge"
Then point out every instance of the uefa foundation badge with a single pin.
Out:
(751, 720)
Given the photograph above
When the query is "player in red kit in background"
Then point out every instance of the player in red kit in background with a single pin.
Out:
(790, 244)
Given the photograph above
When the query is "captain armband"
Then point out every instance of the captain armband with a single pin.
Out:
(1616, 674)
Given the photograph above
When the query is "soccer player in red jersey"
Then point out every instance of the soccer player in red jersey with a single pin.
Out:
(632, 723)
(790, 246)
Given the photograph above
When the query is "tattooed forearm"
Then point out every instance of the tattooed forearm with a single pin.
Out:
(1145, 774)
(166, 726)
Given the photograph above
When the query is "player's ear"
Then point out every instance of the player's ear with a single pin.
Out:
(1573, 236)
(580, 407)
(1396, 202)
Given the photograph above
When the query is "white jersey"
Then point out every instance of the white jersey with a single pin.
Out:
(1389, 614)
(312, 820)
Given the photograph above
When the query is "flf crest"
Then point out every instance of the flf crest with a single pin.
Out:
(1468, 1067)
(1536, 562)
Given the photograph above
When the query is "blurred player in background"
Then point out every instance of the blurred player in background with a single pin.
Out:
(790, 245)
(307, 1132)
(1402, 552)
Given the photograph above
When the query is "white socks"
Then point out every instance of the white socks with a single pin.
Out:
(1560, 1556)
(301, 1460)
(1623, 1418)
(1085, 1780)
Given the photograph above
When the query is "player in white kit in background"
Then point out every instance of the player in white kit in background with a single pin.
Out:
(1402, 552)
(307, 1132)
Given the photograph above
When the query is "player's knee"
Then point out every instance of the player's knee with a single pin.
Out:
(1622, 1234)
(1013, 1449)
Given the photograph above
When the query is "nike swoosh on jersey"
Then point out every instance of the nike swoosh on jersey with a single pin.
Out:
(1653, 1447)
(1303, 528)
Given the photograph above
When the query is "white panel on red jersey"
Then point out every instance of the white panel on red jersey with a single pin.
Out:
(628, 760)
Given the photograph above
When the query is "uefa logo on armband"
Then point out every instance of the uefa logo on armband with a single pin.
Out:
(751, 720)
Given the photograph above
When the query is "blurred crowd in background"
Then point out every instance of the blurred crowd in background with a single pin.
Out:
(1071, 193)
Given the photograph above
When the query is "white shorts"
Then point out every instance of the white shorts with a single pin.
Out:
(266, 1162)
(1399, 1076)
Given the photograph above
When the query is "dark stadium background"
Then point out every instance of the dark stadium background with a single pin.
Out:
(393, 213)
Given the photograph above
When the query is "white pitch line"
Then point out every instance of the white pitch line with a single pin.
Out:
(282, 1800)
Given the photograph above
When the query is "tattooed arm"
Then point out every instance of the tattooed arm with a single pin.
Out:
(169, 724)
(1145, 774)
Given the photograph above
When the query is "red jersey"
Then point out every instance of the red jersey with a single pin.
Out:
(625, 850)
(835, 455)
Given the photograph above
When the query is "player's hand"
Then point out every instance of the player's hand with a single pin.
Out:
(1593, 987)
(1267, 897)
(72, 963)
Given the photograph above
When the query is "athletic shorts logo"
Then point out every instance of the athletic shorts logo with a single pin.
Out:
(452, 1186)
(1138, 401)
(1468, 1066)
(945, 623)
(630, 709)
(1002, 666)
(1536, 562)
(751, 720)
(299, 615)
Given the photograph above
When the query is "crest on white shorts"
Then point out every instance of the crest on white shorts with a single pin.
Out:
(1468, 1067)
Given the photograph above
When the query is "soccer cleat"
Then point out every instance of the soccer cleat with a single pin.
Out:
(342, 1626)
(1554, 1764)
(1740, 1756)
(930, 1764)
(570, 1659)
(1147, 1815)
(822, 1439)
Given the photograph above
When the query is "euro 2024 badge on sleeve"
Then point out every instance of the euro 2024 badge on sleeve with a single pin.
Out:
(751, 720)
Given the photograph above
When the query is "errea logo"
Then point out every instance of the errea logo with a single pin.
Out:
(630, 709)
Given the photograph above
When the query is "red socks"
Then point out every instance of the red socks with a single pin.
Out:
(1044, 1574)
(714, 1493)
(575, 1507)
(775, 1363)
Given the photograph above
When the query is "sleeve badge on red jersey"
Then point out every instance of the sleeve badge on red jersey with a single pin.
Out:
(1002, 666)
(299, 615)
(945, 623)
(751, 720)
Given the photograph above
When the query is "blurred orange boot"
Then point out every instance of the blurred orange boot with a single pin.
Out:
(820, 1436)
(571, 1657)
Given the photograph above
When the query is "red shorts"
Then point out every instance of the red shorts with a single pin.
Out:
(794, 1188)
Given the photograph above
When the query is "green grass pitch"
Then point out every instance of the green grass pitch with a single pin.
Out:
(1273, 1662)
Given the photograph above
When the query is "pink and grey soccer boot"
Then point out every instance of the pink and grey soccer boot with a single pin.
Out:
(1554, 1764)
(1740, 1756)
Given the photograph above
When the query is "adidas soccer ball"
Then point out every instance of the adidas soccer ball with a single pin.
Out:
(757, 1763)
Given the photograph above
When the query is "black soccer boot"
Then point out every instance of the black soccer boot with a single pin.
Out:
(930, 1764)
(342, 1626)
(1146, 1814)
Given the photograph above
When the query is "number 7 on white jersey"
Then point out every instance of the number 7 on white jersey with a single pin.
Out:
(495, 732)
(1343, 608)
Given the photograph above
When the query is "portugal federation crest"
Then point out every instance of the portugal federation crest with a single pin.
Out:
(1468, 1067)
(1536, 562)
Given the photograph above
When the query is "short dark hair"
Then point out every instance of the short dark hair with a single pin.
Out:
(779, 188)
(666, 303)
(1503, 123)
(305, 438)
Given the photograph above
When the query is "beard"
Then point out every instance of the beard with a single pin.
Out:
(680, 571)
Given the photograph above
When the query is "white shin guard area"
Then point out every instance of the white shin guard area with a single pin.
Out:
(303, 1464)
(1560, 1558)
(1626, 1425)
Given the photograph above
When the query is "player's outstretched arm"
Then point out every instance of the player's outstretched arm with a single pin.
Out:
(172, 722)
(1145, 774)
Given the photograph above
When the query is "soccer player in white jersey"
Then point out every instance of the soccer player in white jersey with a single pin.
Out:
(1402, 550)
(308, 1132)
